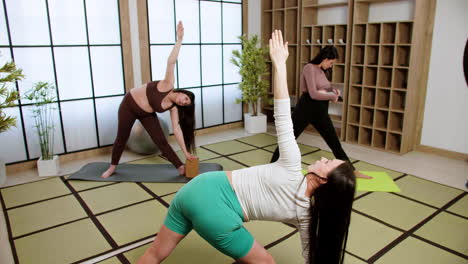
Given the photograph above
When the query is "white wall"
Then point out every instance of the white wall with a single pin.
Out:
(445, 122)
(254, 17)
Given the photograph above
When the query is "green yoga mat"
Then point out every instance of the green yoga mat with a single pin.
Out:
(380, 182)
(137, 172)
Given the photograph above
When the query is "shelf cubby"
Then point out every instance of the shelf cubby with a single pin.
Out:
(370, 76)
(368, 96)
(306, 35)
(352, 133)
(317, 34)
(393, 142)
(306, 53)
(379, 139)
(291, 72)
(403, 56)
(373, 33)
(278, 4)
(291, 3)
(315, 51)
(367, 117)
(309, 16)
(267, 4)
(359, 34)
(405, 31)
(341, 54)
(291, 26)
(384, 78)
(383, 98)
(340, 33)
(267, 21)
(396, 122)
(397, 100)
(355, 95)
(338, 74)
(354, 114)
(381, 119)
(356, 75)
(365, 136)
(386, 55)
(372, 55)
(388, 33)
(358, 55)
(400, 78)
(278, 20)
(328, 34)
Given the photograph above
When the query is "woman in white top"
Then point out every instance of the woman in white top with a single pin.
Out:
(216, 204)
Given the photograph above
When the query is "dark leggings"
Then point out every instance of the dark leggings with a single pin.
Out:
(315, 112)
(129, 111)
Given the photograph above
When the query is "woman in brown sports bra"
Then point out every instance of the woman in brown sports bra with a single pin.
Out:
(141, 103)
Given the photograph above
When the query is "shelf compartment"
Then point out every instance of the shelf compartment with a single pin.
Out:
(338, 75)
(397, 100)
(405, 32)
(291, 26)
(267, 22)
(278, 4)
(383, 98)
(400, 78)
(370, 76)
(403, 56)
(340, 33)
(269, 77)
(385, 77)
(388, 33)
(352, 134)
(356, 75)
(367, 116)
(393, 142)
(328, 34)
(291, 66)
(291, 3)
(309, 16)
(278, 20)
(341, 54)
(358, 55)
(315, 51)
(354, 114)
(305, 53)
(365, 136)
(381, 119)
(386, 55)
(372, 55)
(355, 95)
(396, 122)
(373, 34)
(359, 34)
(267, 5)
(379, 139)
(306, 35)
(368, 96)
(317, 34)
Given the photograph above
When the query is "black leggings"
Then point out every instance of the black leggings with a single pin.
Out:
(315, 112)
(129, 111)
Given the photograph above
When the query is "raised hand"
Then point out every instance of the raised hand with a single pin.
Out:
(180, 31)
(278, 49)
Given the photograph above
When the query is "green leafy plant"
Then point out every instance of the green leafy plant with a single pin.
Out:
(253, 68)
(8, 74)
(43, 97)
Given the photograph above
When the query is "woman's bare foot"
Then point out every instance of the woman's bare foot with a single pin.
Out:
(361, 175)
(181, 170)
(109, 172)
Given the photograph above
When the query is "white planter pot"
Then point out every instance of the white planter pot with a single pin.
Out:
(48, 167)
(2, 173)
(255, 124)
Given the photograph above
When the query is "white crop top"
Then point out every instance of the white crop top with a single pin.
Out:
(276, 191)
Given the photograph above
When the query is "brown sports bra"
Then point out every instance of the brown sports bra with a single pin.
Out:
(155, 97)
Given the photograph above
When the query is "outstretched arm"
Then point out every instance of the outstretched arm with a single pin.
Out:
(179, 136)
(171, 61)
(279, 54)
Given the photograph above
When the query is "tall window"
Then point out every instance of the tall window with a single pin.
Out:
(212, 29)
(75, 45)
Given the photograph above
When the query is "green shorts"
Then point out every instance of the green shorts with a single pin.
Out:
(209, 205)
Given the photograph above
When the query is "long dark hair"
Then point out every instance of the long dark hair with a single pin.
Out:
(329, 52)
(187, 120)
(330, 216)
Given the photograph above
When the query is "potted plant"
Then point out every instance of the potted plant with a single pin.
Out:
(253, 68)
(8, 74)
(42, 96)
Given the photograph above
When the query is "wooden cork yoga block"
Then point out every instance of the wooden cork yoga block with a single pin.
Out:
(191, 168)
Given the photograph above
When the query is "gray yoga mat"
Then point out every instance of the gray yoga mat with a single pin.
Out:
(138, 172)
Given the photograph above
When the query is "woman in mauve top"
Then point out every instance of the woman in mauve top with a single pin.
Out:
(141, 103)
(312, 107)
